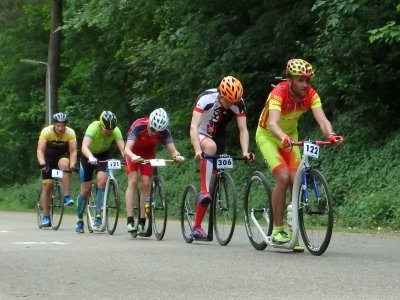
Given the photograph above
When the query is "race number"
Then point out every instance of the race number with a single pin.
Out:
(225, 163)
(311, 150)
(57, 173)
(157, 162)
(114, 164)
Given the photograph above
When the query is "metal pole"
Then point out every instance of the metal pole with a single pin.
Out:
(49, 113)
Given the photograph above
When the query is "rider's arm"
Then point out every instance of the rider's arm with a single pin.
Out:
(121, 145)
(273, 123)
(128, 149)
(172, 150)
(41, 147)
(72, 145)
(85, 147)
(194, 134)
(243, 135)
(322, 121)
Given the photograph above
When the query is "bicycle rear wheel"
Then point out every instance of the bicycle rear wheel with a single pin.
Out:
(136, 215)
(91, 208)
(158, 207)
(188, 211)
(224, 208)
(257, 204)
(112, 206)
(57, 205)
(316, 213)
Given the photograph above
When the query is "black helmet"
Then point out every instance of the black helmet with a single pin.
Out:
(108, 120)
(60, 118)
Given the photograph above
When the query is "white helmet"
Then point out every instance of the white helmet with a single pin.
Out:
(159, 119)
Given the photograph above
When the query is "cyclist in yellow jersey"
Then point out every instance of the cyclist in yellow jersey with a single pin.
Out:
(96, 148)
(277, 129)
(56, 149)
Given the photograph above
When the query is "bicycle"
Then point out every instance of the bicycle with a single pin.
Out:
(109, 210)
(311, 203)
(158, 213)
(222, 211)
(57, 200)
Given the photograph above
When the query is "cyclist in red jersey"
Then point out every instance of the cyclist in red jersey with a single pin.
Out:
(142, 138)
(214, 109)
(277, 129)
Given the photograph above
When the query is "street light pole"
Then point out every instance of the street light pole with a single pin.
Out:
(49, 113)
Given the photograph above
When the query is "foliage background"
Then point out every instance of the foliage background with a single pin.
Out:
(133, 56)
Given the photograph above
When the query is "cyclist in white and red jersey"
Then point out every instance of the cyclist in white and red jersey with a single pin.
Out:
(214, 109)
(142, 138)
(277, 129)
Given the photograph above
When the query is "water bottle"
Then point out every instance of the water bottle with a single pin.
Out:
(289, 216)
(147, 205)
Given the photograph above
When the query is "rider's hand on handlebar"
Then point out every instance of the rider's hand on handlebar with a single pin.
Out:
(199, 156)
(73, 170)
(335, 139)
(179, 159)
(44, 167)
(250, 157)
(93, 160)
(136, 158)
(287, 141)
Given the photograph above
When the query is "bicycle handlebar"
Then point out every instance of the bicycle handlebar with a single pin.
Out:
(148, 161)
(319, 143)
(225, 156)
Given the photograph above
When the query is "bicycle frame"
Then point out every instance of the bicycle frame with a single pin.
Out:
(104, 205)
(221, 186)
(299, 183)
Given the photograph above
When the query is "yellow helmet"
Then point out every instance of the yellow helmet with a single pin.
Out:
(299, 67)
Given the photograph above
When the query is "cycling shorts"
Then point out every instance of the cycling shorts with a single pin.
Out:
(274, 155)
(145, 169)
(87, 170)
(52, 162)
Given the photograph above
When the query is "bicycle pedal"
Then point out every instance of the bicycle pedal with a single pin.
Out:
(134, 234)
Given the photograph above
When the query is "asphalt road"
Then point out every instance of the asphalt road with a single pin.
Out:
(47, 264)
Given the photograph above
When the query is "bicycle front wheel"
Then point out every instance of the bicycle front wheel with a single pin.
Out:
(188, 210)
(112, 206)
(158, 207)
(39, 210)
(91, 208)
(224, 208)
(316, 212)
(258, 209)
(57, 205)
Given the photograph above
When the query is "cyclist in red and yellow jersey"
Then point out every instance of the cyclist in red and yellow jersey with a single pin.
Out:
(277, 129)
(56, 149)
(142, 138)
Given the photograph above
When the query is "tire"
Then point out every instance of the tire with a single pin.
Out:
(112, 206)
(91, 208)
(257, 201)
(136, 216)
(159, 209)
(316, 213)
(224, 208)
(57, 205)
(188, 211)
(39, 210)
